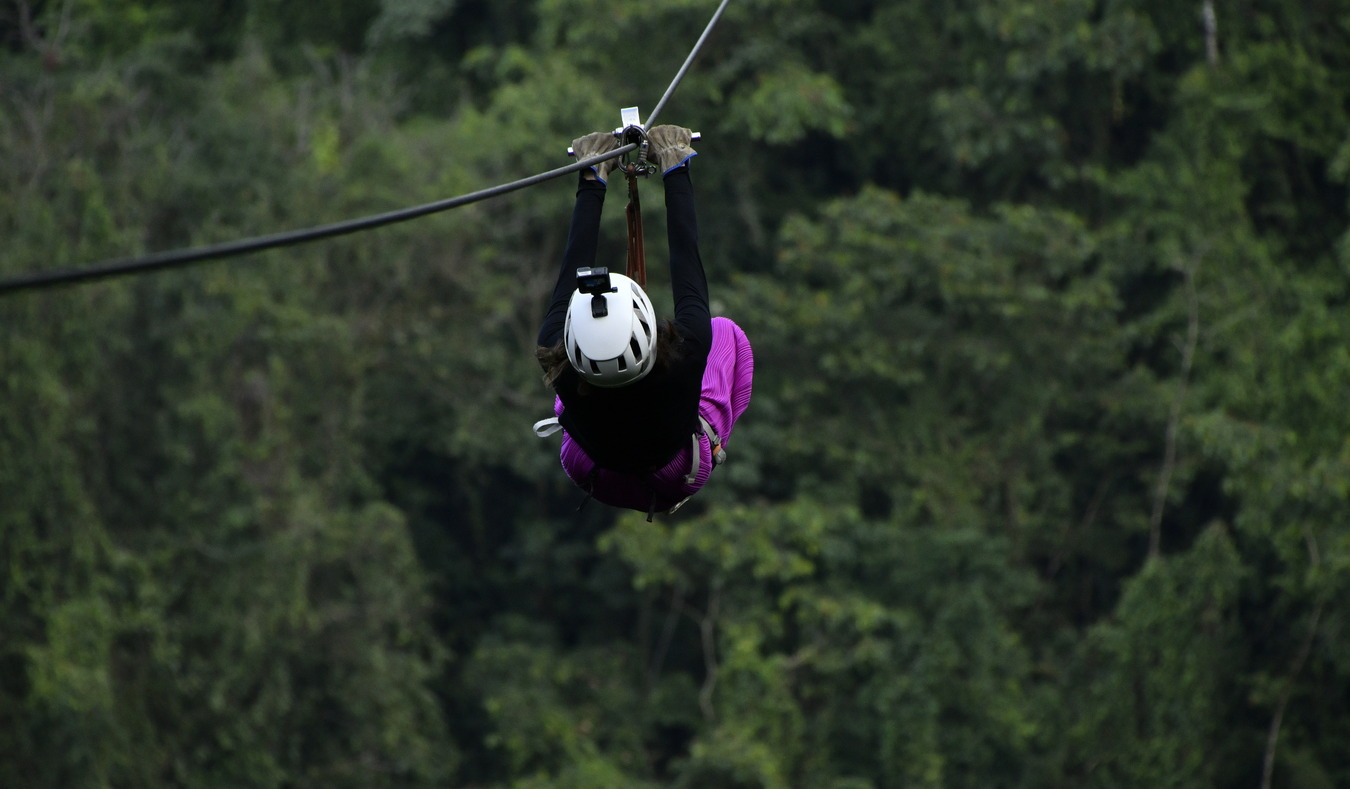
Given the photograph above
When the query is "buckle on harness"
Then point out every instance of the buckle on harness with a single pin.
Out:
(719, 455)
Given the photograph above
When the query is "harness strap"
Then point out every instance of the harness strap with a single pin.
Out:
(547, 427)
(637, 256)
(590, 488)
(719, 455)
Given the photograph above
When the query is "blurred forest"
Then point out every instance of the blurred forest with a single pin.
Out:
(1045, 483)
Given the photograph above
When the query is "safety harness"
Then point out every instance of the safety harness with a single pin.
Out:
(547, 427)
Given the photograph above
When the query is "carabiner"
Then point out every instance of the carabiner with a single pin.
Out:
(634, 134)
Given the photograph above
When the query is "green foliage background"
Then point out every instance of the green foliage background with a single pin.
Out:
(1045, 482)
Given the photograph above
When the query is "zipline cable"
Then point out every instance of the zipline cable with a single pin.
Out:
(179, 257)
(693, 53)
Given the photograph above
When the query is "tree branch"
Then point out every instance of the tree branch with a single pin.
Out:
(1174, 418)
(1277, 720)
(1305, 649)
(658, 656)
(1211, 23)
(707, 626)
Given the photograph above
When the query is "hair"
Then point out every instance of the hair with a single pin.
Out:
(554, 358)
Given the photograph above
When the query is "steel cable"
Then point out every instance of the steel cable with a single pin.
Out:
(693, 53)
(179, 257)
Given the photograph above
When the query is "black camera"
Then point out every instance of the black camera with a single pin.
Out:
(595, 281)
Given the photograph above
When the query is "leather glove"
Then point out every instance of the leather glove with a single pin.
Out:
(595, 144)
(670, 145)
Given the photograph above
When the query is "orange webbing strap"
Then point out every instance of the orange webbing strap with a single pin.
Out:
(637, 258)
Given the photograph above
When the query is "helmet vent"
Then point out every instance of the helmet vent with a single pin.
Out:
(637, 349)
(595, 368)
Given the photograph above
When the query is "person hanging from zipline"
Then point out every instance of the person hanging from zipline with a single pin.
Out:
(645, 407)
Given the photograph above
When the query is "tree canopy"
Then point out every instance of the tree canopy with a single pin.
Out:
(1045, 482)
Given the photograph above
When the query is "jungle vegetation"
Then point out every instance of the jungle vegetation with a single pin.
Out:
(1045, 482)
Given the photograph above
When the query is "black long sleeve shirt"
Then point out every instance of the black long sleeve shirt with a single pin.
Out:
(639, 427)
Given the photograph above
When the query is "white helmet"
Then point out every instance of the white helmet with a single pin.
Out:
(611, 343)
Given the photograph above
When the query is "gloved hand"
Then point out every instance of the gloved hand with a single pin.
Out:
(670, 146)
(595, 144)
